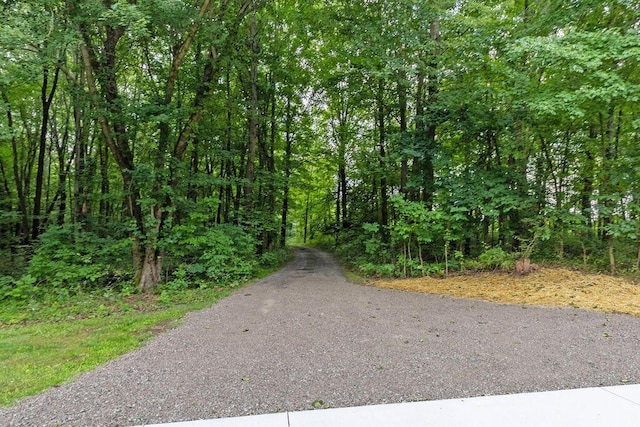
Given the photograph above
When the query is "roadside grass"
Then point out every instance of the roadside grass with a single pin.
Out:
(36, 357)
(44, 345)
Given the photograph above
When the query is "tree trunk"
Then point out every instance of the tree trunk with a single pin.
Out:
(229, 169)
(306, 219)
(337, 225)
(402, 106)
(587, 179)
(430, 130)
(416, 194)
(64, 168)
(6, 238)
(384, 197)
(147, 266)
(342, 189)
(612, 256)
(287, 173)
(252, 119)
(46, 98)
(609, 155)
(80, 181)
(22, 228)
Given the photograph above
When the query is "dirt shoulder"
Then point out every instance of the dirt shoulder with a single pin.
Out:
(552, 287)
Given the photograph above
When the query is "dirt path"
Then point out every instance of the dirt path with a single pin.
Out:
(305, 338)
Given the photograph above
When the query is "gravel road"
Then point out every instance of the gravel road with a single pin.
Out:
(305, 337)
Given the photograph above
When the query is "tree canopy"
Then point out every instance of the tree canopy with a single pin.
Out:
(184, 141)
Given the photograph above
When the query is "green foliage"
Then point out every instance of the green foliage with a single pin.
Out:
(378, 270)
(67, 261)
(221, 255)
(495, 258)
(20, 290)
(275, 258)
(402, 132)
(372, 244)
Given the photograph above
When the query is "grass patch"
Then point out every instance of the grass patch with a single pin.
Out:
(354, 277)
(47, 343)
(38, 356)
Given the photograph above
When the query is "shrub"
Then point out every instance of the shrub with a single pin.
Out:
(380, 270)
(67, 260)
(21, 290)
(222, 254)
(495, 258)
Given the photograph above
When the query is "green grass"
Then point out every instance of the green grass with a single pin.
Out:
(86, 331)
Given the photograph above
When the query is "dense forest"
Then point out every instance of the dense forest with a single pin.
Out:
(188, 141)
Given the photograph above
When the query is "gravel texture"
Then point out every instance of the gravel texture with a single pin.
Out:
(305, 338)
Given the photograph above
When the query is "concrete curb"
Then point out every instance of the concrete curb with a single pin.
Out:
(588, 407)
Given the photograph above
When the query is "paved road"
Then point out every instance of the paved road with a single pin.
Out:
(304, 337)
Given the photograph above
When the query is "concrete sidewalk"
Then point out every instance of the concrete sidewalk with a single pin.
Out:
(617, 406)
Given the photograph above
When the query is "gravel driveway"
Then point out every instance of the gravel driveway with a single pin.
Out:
(305, 338)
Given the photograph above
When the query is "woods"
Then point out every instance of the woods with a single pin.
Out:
(184, 143)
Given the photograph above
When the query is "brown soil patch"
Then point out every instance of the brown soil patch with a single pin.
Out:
(547, 287)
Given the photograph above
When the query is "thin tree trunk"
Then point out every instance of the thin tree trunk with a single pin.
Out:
(62, 177)
(342, 173)
(253, 117)
(337, 225)
(404, 259)
(6, 239)
(192, 192)
(419, 135)
(446, 258)
(46, 99)
(306, 219)
(612, 256)
(22, 230)
(80, 181)
(229, 169)
(105, 204)
(384, 198)
(430, 130)
(287, 172)
(64, 168)
(608, 154)
(270, 237)
(587, 179)
(402, 106)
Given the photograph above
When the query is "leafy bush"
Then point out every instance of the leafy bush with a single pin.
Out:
(433, 269)
(202, 256)
(18, 290)
(380, 270)
(495, 258)
(67, 260)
